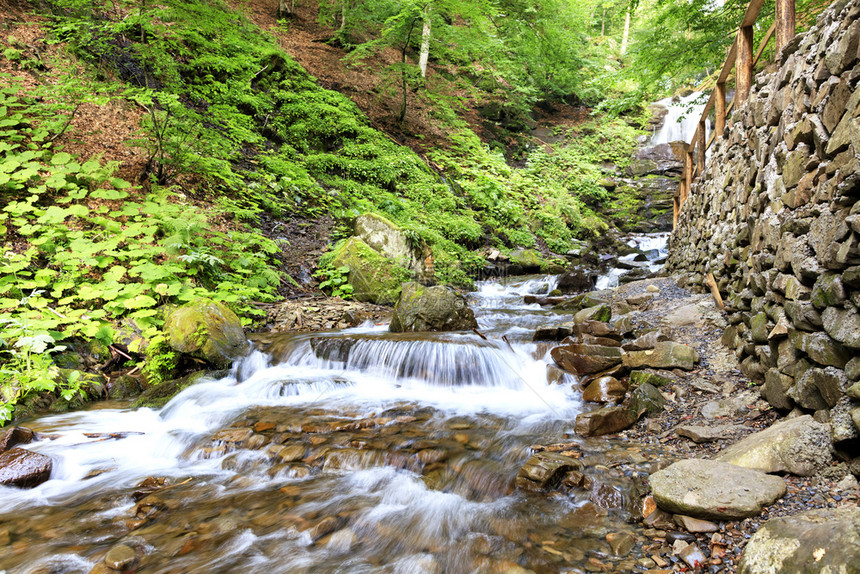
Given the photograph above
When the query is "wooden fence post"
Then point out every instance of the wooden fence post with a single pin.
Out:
(720, 111)
(784, 23)
(702, 144)
(743, 66)
(688, 174)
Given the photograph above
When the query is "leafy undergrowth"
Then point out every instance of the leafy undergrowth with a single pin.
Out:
(90, 255)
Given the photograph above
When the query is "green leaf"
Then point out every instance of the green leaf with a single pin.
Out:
(139, 302)
(61, 158)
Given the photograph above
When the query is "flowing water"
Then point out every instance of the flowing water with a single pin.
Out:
(350, 451)
(654, 247)
(682, 120)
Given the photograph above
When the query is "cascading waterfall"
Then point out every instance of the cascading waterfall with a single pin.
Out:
(682, 120)
(355, 451)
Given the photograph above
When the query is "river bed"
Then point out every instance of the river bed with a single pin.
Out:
(350, 451)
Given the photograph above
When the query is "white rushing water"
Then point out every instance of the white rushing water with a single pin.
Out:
(654, 245)
(682, 120)
(458, 373)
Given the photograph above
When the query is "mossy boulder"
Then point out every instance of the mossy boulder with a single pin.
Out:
(394, 243)
(207, 330)
(528, 259)
(374, 277)
(159, 395)
(436, 308)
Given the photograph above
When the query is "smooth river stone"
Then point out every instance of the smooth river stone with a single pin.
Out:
(24, 468)
(604, 390)
(713, 490)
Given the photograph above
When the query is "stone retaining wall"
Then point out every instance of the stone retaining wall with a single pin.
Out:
(776, 219)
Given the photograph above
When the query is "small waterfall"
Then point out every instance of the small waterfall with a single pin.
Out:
(682, 120)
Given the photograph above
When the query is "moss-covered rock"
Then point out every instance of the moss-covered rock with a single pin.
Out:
(374, 277)
(207, 330)
(528, 259)
(159, 395)
(394, 243)
(436, 308)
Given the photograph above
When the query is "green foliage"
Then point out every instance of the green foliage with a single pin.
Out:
(335, 281)
(161, 361)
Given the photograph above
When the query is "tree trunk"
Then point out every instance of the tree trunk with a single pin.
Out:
(603, 23)
(626, 35)
(285, 8)
(403, 85)
(343, 7)
(425, 43)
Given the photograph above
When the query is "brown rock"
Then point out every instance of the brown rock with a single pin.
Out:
(15, 436)
(545, 470)
(691, 524)
(586, 359)
(24, 468)
(607, 420)
(120, 557)
(604, 390)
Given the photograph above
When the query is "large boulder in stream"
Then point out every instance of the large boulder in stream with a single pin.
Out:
(207, 330)
(438, 308)
(24, 468)
(821, 540)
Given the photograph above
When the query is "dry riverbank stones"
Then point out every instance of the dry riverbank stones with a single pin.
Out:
(714, 490)
(798, 446)
(826, 540)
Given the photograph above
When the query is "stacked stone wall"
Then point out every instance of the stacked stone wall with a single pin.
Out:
(776, 219)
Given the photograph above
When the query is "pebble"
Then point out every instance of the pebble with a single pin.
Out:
(120, 557)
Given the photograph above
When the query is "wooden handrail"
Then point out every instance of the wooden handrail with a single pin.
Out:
(740, 56)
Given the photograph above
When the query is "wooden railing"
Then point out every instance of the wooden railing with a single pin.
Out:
(741, 58)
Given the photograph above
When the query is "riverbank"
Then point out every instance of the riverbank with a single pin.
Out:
(708, 410)
(297, 457)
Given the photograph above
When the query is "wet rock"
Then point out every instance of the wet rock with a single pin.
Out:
(576, 279)
(233, 435)
(24, 468)
(714, 490)
(586, 359)
(438, 308)
(553, 332)
(664, 355)
(545, 470)
(815, 541)
(207, 330)
(325, 526)
(603, 421)
(647, 400)
(15, 436)
(159, 395)
(702, 434)
(342, 541)
(621, 542)
(604, 390)
(292, 453)
(120, 557)
(693, 556)
(798, 446)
